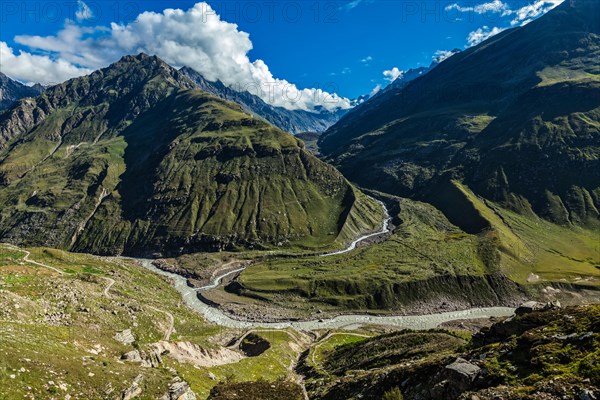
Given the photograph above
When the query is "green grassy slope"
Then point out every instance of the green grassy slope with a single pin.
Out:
(425, 262)
(428, 261)
(549, 354)
(60, 329)
(130, 159)
(516, 118)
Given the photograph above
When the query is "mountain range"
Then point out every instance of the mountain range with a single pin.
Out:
(135, 159)
(271, 276)
(292, 121)
(11, 91)
(516, 119)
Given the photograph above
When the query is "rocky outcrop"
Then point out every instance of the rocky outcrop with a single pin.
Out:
(186, 352)
(548, 353)
(150, 359)
(179, 390)
(453, 380)
(12, 91)
(134, 390)
(125, 337)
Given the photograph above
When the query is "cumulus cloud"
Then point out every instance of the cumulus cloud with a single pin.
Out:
(30, 68)
(441, 55)
(375, 90)
(482, 34)
(520, 15)
(496, 6)
(83, 11)
(197, 38)
(393, 74)
(526, 14)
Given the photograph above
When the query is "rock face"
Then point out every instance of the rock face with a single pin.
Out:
(456, 379)
(12, 91)
(186, 352)
(180, 390)
(151, 359)
(135, 159)
(134, 390)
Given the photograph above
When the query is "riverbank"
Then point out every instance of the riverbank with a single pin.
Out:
(347, 322)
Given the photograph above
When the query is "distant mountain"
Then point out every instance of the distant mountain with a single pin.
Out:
(516, 119)
(292, 121)
(135, 159)
(408, 77)
(12, 91)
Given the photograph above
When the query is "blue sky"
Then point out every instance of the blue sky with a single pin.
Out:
(340, 47)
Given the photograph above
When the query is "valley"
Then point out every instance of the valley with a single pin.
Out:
(168, 232)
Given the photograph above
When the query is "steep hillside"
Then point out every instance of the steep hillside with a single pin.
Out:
(516, 118)
(545, 354)
(292, 121)
(12, 91)
(83, 327)
(134, 159)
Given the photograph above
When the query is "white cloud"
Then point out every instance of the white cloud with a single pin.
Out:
(393, 74)
(521, 16)
(495, 6)
(442, 55)
(526, 14)
(32, 68)
(197, 38)
(482, 34)
(352, 4)
(375, 90)
(83, 11)
(366, 60)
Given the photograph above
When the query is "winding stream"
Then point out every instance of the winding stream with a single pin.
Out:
(384, 229)
(216, 316)
(351, 322)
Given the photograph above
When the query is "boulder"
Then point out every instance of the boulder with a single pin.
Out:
(134, 390)
(152, 359)
(454, 380)
(529, 307)
(132, 356)
(125, 337)
(462, 370)
(179, 390)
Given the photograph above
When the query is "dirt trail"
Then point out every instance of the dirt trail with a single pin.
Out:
(169, 330)
(27, 260)
(106, 290)
(111, 282)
